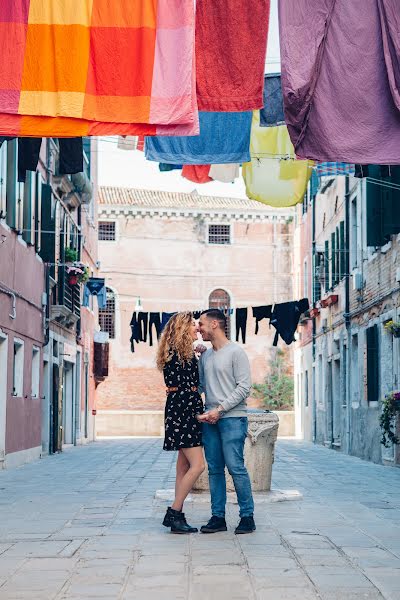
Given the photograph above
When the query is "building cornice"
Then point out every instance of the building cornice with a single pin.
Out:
(109, 211)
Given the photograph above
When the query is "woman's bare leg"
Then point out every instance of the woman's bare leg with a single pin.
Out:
(195, 458)
(182, 467)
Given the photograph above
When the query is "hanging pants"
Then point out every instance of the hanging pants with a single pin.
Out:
(154, 319)
(260, 313)
(241, 322)
(138, 324)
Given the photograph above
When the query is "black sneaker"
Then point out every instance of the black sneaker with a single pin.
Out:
(180, 525)
(246, 525)
(214, 525)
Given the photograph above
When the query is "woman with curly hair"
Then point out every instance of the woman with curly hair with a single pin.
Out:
(177, 360)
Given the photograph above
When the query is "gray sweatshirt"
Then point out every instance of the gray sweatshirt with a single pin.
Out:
(225, 379)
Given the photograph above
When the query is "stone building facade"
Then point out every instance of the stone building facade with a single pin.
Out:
(46, 356)
(171, 251)
(348, 253)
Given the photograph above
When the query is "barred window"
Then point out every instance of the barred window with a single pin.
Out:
(107, 231)
(219, 234)
(220, 299)
(107, 315)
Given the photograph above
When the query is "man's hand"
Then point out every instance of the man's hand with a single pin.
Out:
(211, 416)
(200, 348)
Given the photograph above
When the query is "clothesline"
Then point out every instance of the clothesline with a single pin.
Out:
(283, 316)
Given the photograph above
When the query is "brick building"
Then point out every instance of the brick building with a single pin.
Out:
(171, 251)
(46, 340)
(348, 255)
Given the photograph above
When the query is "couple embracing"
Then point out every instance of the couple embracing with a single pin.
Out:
(223, 374)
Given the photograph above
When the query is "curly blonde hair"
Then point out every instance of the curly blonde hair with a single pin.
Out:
(176, 338)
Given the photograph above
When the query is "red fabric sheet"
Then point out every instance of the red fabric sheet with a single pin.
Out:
(197, 173)
(231, 43)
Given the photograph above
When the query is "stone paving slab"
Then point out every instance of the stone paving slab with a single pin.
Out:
(86, 524)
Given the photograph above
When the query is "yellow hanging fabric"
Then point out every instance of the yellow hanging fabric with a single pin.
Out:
(274, 176)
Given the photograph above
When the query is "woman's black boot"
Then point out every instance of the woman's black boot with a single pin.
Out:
(179, 524)
(168, 516)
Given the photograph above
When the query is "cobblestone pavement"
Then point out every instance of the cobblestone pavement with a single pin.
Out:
(84, 524)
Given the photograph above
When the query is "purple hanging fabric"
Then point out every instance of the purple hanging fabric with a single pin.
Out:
(341, 79)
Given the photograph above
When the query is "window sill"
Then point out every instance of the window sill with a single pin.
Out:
(373, 404)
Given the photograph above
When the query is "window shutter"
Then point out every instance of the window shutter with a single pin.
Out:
(326, 261)
(48, 238)
(333, 259)
(317, 278)
(372, 364)
(342, 251)
(375, 235)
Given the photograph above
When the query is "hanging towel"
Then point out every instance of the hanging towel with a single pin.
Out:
(127, 142)
(224, 173)
(274, 176)
(92, 67)
(70, 156)
(341, 79)
(196, 173)
(272, 114)
(224, 138)
(333, 169)
(231, 43)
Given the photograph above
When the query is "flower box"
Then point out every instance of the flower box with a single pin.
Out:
(329, 301)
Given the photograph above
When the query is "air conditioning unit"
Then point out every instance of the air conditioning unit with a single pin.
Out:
(358, 282)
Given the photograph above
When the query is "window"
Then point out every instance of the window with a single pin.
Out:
(353, 239)
(326, 266)
(354, 372)
(107, 231)
(35, 372)
(306, 388)
(220, 299)
(372, 364)
(18, 368)
(3, 179)
(305, 279)
(383, 208)
(219, 234)
(107, 315)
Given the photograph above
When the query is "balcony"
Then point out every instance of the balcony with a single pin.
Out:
(65, 306)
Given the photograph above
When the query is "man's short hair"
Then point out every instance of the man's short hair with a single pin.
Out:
(216, 315)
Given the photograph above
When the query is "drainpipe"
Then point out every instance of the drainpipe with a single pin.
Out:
(314, 330)
(347, 312)
(12, 314)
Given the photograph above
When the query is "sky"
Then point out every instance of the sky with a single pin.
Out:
(124, 168)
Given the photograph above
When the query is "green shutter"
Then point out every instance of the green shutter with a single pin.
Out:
(343, 251)
(337, 257)
(375, 235)
(396, 200)
(326, 265)
(333, 260)
(11, 187)
(48, 238)
(372, 364)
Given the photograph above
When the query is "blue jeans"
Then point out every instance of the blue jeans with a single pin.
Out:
(224, 445)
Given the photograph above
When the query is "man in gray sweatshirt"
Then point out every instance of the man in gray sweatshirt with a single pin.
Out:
(226, 382)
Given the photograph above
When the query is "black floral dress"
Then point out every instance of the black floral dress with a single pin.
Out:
(182, 429)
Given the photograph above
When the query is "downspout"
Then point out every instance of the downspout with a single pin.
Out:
(347, 312)
(314, 329)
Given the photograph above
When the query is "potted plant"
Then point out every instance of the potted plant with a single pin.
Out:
(70, 254)
(393, 327)
(390, 408)
(77, 273)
